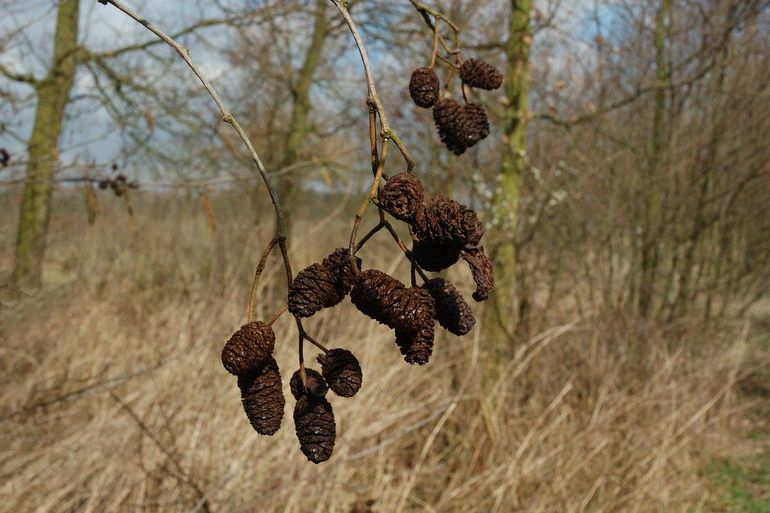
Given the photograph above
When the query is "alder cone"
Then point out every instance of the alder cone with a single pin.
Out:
(375, 294)
(416, 345)
(316, 385)
(249, 348)
(315, 427)
(416, 309)
(424, 87)
(342, 371)
(475, 124)
(402, 196)
(387, 300)
(452, 312)
(448, 222)
(339, 263)
(481, 75)
(314, 288)
(435, 256)
(448, 116)
(482, 271)
(262, 398)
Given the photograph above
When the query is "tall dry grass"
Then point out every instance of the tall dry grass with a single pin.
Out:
(113, 397)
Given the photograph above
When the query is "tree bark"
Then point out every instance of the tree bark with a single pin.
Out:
(288, 186)
(516, 83)
(652, 183)
(52, 96)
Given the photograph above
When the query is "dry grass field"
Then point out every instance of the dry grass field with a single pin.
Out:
(113, 398)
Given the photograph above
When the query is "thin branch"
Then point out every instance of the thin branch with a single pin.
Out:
(227, 117)
(257, 275)
(19, 77)
(372, 97)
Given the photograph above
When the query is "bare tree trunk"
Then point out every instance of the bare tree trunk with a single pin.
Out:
(52, 95)
(514, 161)
(652, 182)
(288, 186)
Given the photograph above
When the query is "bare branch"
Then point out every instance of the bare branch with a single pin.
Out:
(18, 77)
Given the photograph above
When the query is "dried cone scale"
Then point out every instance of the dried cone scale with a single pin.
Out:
(341, 370)
(315, 427)
(482, 271)
(249, 348)
(262, 398)
(424, 87)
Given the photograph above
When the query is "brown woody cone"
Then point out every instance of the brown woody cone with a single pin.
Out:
(416, 345)
(402, 196)
(315, 427)
(262, 398)
(339, 263)
(479, 74)
(452, 312)
(314, 288)
(249, 348)
(482, 271)
(316, 385)
(424, 87)
(375, 294)
(416, 309)
(475, 124)
(448, 116)
(448, 222)
(342, 371)
(387, 300)
(433, 256)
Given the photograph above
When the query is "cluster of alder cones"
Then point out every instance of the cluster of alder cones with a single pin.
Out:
(459, 126)
(119, 185)
(443, 231)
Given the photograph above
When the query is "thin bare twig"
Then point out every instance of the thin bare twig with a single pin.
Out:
(372, 97)
(257, 275)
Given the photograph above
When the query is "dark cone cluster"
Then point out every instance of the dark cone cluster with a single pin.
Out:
(249, 348)
(481, 269)
(402, 196)
(416, 344)
(321, 285)
(387, 300)
(316, 384)
(435, 256)
(262, 398)
(315, 427)
(342, 371)
(424, 87)
(452, 312)
(448, 116)
(481, 75)
(448, 222)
